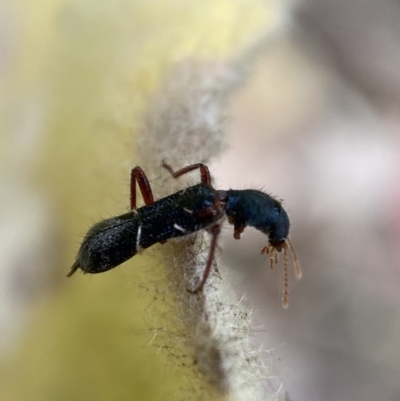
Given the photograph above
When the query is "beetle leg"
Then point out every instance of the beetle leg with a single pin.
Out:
(204, 171)
(215, 231)
(138, 176)
(238, 229)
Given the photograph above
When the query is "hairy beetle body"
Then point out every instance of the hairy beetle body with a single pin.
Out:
(117, 239)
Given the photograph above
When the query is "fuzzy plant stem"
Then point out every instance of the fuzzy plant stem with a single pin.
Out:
(184, 125)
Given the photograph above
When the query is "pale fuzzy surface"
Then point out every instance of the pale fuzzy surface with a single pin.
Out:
(210, 331)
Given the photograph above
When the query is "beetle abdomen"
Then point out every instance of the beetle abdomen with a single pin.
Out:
(108, 244)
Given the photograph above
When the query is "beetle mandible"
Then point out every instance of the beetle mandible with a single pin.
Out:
(113, 241)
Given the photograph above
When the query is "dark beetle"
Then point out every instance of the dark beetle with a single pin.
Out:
(115, 240)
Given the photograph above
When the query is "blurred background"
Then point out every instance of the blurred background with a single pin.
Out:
(317, 124)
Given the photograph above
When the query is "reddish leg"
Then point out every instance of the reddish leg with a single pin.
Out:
(238, 230)
(204, 171)
(138, 176)
(215, 230)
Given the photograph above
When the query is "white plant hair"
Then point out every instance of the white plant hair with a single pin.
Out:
(184, 124)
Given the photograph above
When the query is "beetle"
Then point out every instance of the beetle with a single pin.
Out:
(113, 241)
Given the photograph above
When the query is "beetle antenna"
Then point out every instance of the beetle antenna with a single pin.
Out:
(297, 267)
(285, 296)
(272, 258)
